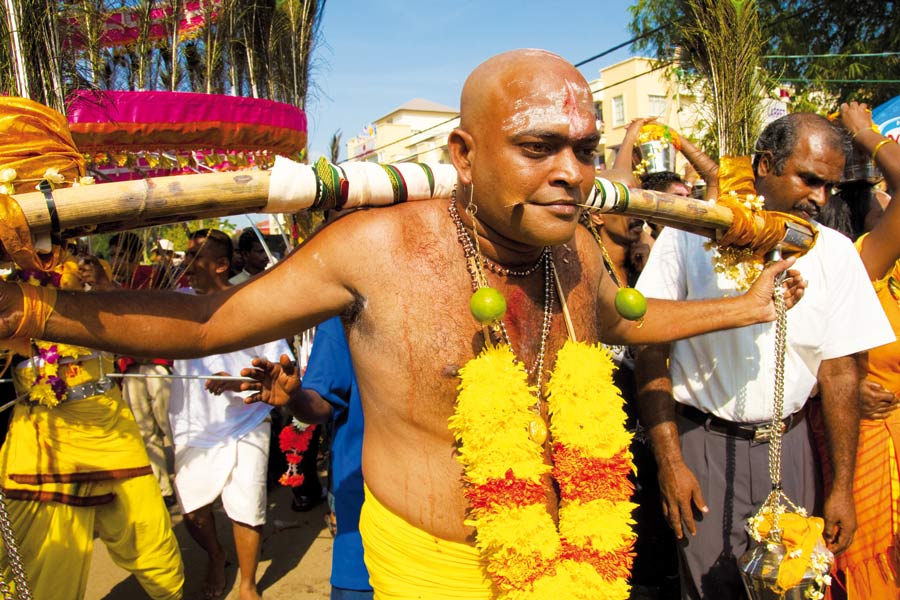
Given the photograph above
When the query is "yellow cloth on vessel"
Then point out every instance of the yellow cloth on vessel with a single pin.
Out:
(50, 453)
(406, 563)
(55, 540)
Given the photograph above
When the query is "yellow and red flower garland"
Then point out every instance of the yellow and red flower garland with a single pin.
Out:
(590, 554)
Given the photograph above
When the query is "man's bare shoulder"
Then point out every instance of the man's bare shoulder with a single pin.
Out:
(386, 226)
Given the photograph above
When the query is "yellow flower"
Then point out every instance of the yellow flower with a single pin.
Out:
(7, 175)
(42, 393)
(50, 369)
(85, 181)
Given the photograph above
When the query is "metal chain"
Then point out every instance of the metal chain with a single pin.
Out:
(23, 592)
(777, 425)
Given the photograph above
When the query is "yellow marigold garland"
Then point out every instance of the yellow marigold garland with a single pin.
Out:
(590, 554)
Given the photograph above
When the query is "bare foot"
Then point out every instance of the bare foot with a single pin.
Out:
(248, 591)
(214, 586)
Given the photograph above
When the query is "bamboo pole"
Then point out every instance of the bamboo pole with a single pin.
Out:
(291, 187)
(123, 205)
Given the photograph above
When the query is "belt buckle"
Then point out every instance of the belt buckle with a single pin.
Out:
(764, 434)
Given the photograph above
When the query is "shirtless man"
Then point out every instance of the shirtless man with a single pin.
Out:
(524, 156)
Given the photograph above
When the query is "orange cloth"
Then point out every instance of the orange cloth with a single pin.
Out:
(33, 138)
(872, 563)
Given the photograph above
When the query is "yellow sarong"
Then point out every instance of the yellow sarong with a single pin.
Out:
(51, 452)
(406, 563)
(56, 540)
(76, 469)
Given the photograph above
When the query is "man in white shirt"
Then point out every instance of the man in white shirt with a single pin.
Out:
(256, 260)
(221, 443)
(707, 439)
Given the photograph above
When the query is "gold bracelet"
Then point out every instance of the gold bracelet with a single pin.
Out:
(859, 131)
(879, 145)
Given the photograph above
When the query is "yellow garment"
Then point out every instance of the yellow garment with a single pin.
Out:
(55, 540)
(51, 452)
(872, 562)
(406, 563)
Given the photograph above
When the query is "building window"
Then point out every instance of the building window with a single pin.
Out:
(658, 106)
(618, 111)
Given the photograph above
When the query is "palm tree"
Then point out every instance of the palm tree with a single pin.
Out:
(259, 48)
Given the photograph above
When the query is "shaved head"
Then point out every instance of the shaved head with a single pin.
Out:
(510, 79)
(524, 149)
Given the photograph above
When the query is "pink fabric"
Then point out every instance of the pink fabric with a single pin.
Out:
(124, 27)
(181, 107)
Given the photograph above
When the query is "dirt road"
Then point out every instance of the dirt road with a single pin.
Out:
(295, 562)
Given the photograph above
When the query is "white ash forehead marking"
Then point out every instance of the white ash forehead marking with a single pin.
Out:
(558, 106)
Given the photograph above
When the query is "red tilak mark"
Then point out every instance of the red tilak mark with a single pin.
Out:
(570, 104)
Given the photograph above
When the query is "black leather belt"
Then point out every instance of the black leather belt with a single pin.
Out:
(755, 432)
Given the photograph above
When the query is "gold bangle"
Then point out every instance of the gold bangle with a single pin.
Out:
(859, 131)
(879, 145)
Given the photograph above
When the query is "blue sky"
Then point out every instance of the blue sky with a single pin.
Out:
(375, 55)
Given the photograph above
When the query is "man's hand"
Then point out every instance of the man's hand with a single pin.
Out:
(760, 294)
(875, 401)
(217, 386)
(276, 383)
(92, 273)
(680, 492)
(856, 117)
(840, 520)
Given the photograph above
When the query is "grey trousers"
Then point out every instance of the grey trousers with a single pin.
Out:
(734, 477)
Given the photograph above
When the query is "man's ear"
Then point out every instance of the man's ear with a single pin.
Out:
(222, 265)
(462, 150)
(764, 166)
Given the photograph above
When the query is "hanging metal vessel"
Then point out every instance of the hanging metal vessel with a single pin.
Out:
(759, 571)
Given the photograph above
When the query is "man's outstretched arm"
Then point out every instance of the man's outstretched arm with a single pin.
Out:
(670, 320)
(299, 292)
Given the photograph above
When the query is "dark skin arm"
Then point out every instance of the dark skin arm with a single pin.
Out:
(278, 384)
(177, 325)
(838, 387)
(679, 488)
(668, 320)
(882, 248)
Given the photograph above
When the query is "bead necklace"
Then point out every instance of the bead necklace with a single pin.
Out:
(474, 261)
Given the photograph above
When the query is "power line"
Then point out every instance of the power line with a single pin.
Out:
(806, 80)
(861, 55)
(619, 46)
(584, 62)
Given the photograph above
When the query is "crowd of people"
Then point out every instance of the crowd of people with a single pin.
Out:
(416, 516)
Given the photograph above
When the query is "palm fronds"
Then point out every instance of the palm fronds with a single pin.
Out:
(723, 42)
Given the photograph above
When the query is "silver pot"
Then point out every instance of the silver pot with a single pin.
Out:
(860, 167)
(657, 156)
(759, 572)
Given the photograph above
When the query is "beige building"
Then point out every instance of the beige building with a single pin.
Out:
(633, 88)
(414, 132)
